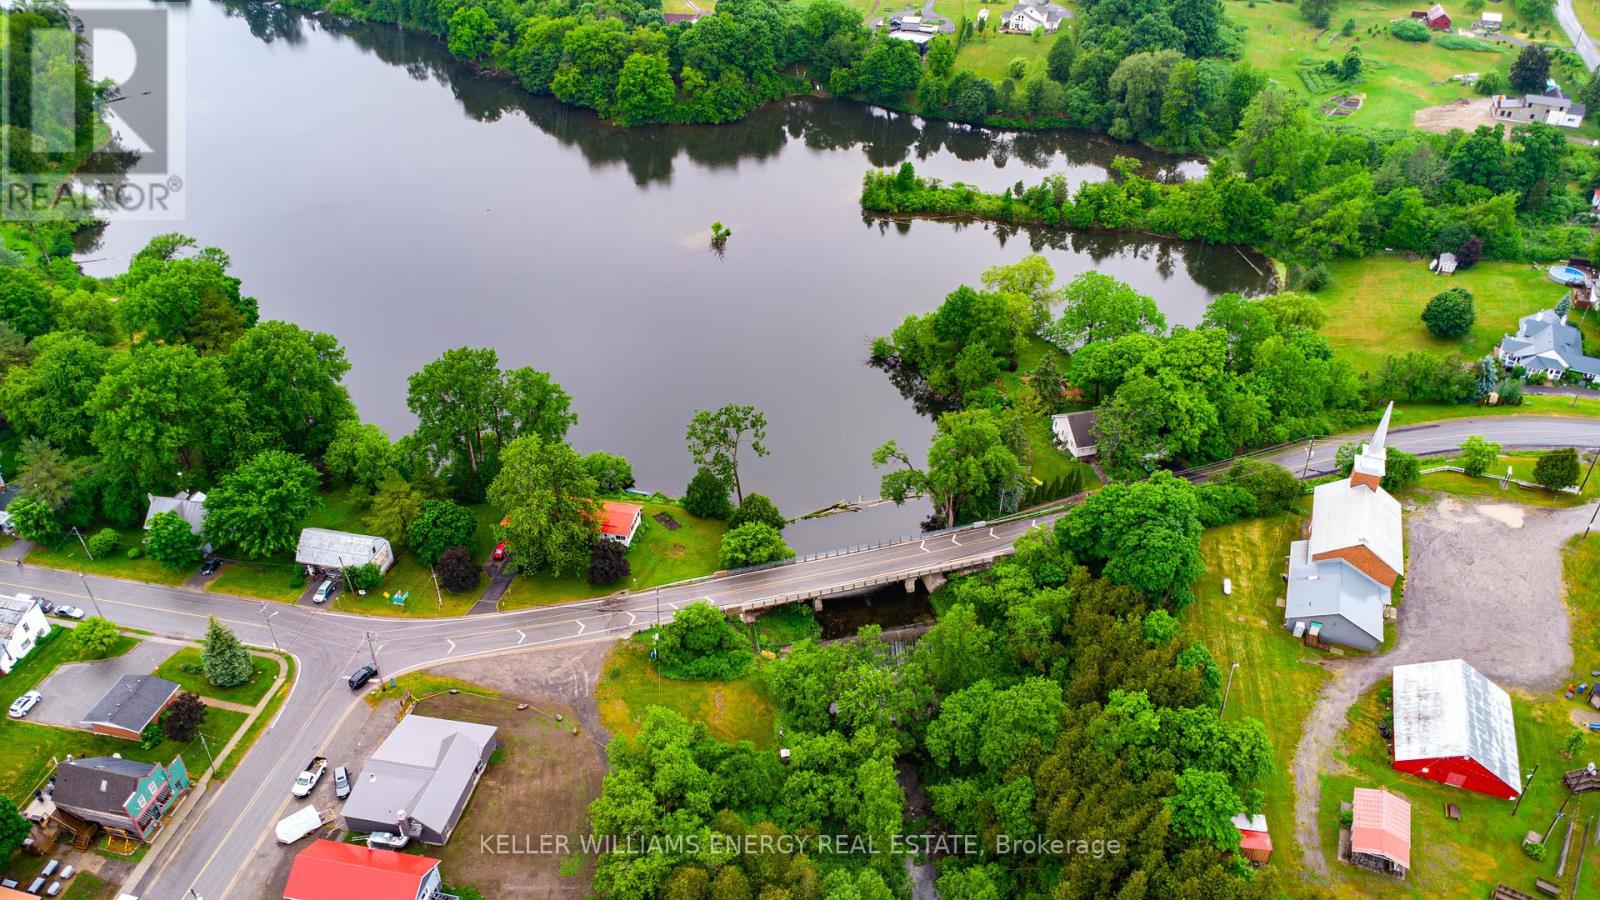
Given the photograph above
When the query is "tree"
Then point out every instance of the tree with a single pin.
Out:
(1477, 455)
(714, 439)
(1401, 470)
(608, 562)
(47, 474)
(225, 660)
(25, 302)
(700, 643)
(611, 473)
(34, 520)
(1203, 808)
(1450, 313)
(551, 514)
(1530, 71)
(438, 526)
(888, 71)
(259, 507)
(1098, 307)
(1573, 745)
(1059, 61)
(472, 34)
(184, 718)
(14, 827)
(185, 300)
(364, 577)
(1048, 384)
(1317, 12)
(1557, 469)
(289, 381)
(969, 467)
(707, 496)
(360, 453)
(48, 398)
(95, 637)
(753, 544)
(456, 570)
(758, 508)
(1145, 535)
(463, 398)
(395, 504)
(171, 541)
(645, 92)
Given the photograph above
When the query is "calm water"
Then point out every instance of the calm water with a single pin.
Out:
(368, 186)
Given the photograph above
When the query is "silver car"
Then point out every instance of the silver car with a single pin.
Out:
(23, 705)
(341, 783)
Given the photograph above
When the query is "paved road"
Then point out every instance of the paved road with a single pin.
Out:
(211, 849)
(1568, 20)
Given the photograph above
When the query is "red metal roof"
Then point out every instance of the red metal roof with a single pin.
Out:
(330, 870)
(1382, 826)
(617, 518)
(1255, 840)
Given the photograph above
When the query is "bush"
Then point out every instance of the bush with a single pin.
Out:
(758, 508)
(95, 637)
(1273, 487)
(1450, 313)
(438, 526)
(456, 570)
(133, 553)
(707, 496)
(752, 545)
(364, 577)
(184, 718)
(701, 644)
(150, 736)
(1219, 504)
(104, 542)
(1410, 30)
(608, 562)
(1400, 470)
(171, 541)
(1534, 849)
(1511, 393)
(1557, 469)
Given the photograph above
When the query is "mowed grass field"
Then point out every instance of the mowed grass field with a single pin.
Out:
(735, 710)
(1375, 305)
(1278, 679)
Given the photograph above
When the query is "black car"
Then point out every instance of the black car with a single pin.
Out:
(210, 566)
(46, 606)
(361, 677)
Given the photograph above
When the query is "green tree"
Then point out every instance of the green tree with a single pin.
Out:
(184, 718)
(700, 643)
(171, 541)
(438, 526)
(394, 506)
(969, 467)
(1048, 384)
(1573, 745)
(611, 473)
(608, 562)
(1203, 808)
(752, 544)
(714, 439)
(34, 520)
(1531, 69)
(463, 399)
(14, 827)
(472, 34)
(1557, 469)
(48, 398)
(758, 508)
(95, 638)
(259, 508)
(456, 570)
(707, 496)
(957, 650)
(289, 381)
(1317, 12)
(47, 474)
(1098, 307)
(1401, 470)
(225, 660)
(25, 302)
(1060, 58)
(186, 300)
(1450, 314)
(941, 55)
(645, 92)
(360, 453)
(1477, 455)
(1145, 535)
(888, 71)
(365, 577)
(549, 504)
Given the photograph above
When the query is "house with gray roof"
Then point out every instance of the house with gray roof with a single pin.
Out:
(1553, 107)
(132, 703)
(1333, 601)
(123, 796)
(418, 781)
(192, 507)
(326, 549)
(1076, 431)
(1544, 342)
(1029, 16)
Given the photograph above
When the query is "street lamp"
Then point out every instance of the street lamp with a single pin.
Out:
(1225, 691)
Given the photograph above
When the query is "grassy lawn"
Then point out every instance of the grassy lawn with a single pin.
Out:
(1374, 305)
(657, 557)
(184, 668)
(1278, 679)
(423, 685)
(1417, 413)
(1466, 858)
(83, 886)
(991, 53)
(69, 554)
(737, 710)
(1487, 488)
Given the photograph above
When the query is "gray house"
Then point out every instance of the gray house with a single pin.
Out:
(132, 703)
(418, 782)
(1544, 342)
(1553, 107)
(1333, 601)
(191, 507)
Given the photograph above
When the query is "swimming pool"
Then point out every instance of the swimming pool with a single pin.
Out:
(1567, 275)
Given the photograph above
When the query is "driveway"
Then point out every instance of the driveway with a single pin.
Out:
(72, 690)
(1483, 584)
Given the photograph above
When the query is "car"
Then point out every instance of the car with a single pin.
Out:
(324, 591)
(341, 783)
(500, 550)
(45, 606)
(210, 566)
(386, 840)
(24, 704)
(70, 612)
(362, 676)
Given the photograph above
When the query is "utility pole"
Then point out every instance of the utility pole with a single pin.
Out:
(85, 544)
(92, 600)
(372, 650)
(1227, 690)
(207, 748)
(1311, 445)
(270, 630)
(1591, 520)
(1518, 804)
(436, 591)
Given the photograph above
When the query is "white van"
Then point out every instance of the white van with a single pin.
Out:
(324, 591)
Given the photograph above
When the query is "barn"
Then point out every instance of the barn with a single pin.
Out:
(1453, 725)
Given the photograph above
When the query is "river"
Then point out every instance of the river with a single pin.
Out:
(369, 186)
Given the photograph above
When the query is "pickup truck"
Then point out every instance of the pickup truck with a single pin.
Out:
(308, 779)
(301, 823)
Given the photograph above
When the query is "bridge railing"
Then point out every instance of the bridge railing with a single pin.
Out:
(862, 584)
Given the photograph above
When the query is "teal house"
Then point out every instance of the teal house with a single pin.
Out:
(123, 796)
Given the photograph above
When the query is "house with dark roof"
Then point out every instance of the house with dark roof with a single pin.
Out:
(1029, 16)
(332, 870)
(1453, 725)
(1544, 342)
(123, 796)
(132, 703)
(1075, 431)
(418, 781)
(1552, 107)
(22, 624)
(192, 507)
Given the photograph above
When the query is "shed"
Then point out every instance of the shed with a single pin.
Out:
(132, 703)
(324, 548)
(1255, 843)
(1453, 725)
(1380, 833)
(1434, 17)
(620, 521)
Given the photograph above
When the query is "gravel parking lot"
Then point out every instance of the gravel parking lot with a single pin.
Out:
(1483, 583)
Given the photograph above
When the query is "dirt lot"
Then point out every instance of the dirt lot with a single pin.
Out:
(1464, 114)
(1483, 584)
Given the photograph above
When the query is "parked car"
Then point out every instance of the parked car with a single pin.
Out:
(324, 591)
(70, 612)
(386, 840)
(46, 606)
(23, 705)
(341, 783)
(500, 550)
(210, 566)
(362, 676)
(308, 778)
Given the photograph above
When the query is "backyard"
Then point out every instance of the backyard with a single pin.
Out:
(735, 710)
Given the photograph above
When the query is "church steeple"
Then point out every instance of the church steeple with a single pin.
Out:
(1371, 462)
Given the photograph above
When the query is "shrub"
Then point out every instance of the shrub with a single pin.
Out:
(752, 545)
(456, 570)
(171, 541)
(1557, 469)
(1477, 455)
(184, 718)
(1450, 313)
(134, 553)
(1534, 849)
(364, 577)
(608, 562)
(1400, 470)
(700, 644)
(758, 508)
(438, 526)
(1219, 504)
(1410, 30)
(1314, 279)
(104, 542)
(1468, 254)
(1273, 487)
(150, 736)
(226, 661)
(95, 637)
(707, 496)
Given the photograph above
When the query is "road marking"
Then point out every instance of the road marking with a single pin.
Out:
(953, 539)
(520, 637)
(452, 646)
(991, 531)
(674, 604)
(581, 626)
(632, 618)
(924, 546)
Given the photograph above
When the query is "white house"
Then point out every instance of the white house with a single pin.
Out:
(22, 623)
(1075, 431)
(191, 507)
(1029, 16)
(620, 521)
(324, 548)
(1544, 342)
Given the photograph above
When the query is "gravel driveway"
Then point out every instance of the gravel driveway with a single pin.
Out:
(1483, 584)
(73, 689)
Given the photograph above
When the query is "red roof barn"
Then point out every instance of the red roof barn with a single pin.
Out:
(1435, 17)
(330, 870)
(1454, 726)
(1380, 832)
